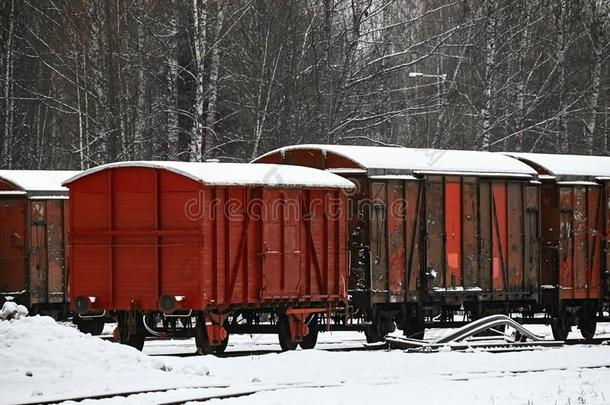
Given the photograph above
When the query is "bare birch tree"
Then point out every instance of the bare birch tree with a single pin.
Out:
(200, 14)
(84, 83)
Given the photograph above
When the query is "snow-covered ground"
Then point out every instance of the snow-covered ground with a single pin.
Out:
(42, 360)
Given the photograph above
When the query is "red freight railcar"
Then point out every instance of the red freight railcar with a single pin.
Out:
(574, 209)
(203, 241)
(33, 267)
(433, 231)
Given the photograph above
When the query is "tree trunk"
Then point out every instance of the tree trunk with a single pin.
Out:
(141, 113)
(259, 122)
(563, 144)
(598, 36)
(200, 27)
(110, 107)
(81, 140)
(99, 103)
(213, 83)
(327, 86)
(9, 103)
(593, 103)
(123, 90)
(607, 120)
(522, 77)
(490, 54)
(173, 129)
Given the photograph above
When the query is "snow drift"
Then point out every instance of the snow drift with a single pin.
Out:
(45, 360)
(11, 310)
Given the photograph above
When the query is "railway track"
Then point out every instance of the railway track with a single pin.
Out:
(463, 339)
(262, 352)
(594, 341)
(123, 394)
(210, 392)
(490, 347)
(234, 393)
(494, 347)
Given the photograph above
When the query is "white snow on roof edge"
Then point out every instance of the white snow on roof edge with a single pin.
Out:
(244, 174)
(421, 160)
(585, 166)
(38, 180)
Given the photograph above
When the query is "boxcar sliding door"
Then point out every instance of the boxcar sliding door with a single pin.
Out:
(452, 216)
(12, 245)
(580, 241)
(395, 223)
(46, 254)
(281, 253)
(379, 246)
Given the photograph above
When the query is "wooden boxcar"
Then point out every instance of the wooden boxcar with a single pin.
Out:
(574, 215)
(33, 265)
(433, 231)
(161, 241)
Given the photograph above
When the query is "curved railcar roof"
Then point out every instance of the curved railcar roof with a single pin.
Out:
(239, 174)
(422, 160)
(566, 166)
(38, 182)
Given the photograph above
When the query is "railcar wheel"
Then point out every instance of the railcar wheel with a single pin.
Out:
(94, 326)
(372, 334)
(560, 328)
(587, 324)
(131, 330)
(412, 322)
(222, 346)
(381, 326)
(309, 341)
(202, 339)
(135, 340)
(98, 326)
(284, 335)
(81, 324)
(415, 331)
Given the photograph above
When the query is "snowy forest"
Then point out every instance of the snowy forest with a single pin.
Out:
(85, 82)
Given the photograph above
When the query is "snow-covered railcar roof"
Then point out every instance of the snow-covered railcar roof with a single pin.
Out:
(423, 160)
(393, 177)
(38, 182)
(237, 174)
(570, 166)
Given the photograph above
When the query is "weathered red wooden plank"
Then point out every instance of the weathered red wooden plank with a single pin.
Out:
(485, 228)
(435, 229)
(499, 236)
(566, 241)
(515, 224)
(55, 251)
(414, 221)
(396, 242)
(453, 232)
(470, 233)
(13, 239)
(379, 241)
